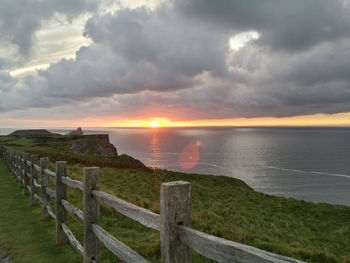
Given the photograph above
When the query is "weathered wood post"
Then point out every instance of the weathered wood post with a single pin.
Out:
(9, 159)
(26, 172)
(61, 193)
(34, 160)
(23, 166)
(17, 166)
(175, 209)
(91, 214)
(12, 162)
(20, 169)
(44, 164)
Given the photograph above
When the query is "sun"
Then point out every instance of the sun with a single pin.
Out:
(154, 124)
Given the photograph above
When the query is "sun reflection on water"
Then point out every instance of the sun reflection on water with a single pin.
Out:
(156, 157)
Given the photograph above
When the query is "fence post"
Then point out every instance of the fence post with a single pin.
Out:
(26, 171)
(20, 163)
(12, 163)
(9, 160)
(44, 163)
(61, 193)
(22, 169)
(17, 167)
(34, 160)
(175, 209)
(91, 214)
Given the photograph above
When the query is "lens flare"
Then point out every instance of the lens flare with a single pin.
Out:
(199, 143)
(189, 157)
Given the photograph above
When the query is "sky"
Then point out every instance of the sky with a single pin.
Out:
(109, 63)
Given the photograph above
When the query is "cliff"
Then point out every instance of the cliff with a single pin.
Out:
(90, 150)
(93, 144)
(31, 132)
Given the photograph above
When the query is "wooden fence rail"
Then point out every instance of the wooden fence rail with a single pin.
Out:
(178, 239)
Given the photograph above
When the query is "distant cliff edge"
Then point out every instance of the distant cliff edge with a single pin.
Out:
(31, 132)
(92, 149)
(75, 142)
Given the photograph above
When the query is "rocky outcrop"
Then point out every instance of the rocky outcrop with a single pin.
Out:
(78, 131)
(95, 145)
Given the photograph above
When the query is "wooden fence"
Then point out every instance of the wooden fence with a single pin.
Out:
(178, 239)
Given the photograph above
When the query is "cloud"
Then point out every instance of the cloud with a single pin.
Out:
(161, 38)
(130, 56)
(6, 82)
(176, 60)
(284, 25)
(19, 20)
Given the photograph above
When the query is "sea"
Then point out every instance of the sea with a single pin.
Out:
(312, 164)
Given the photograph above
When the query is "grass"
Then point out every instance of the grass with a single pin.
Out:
(222, 206)
(228, 208)
(57, 147)
(26, 236)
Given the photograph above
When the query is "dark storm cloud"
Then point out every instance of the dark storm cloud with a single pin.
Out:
(162, 38)
(326, 63)
(133, 51)
(283, 24)
(176, 60)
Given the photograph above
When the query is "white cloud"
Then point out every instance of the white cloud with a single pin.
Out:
(239, 40)
(57, 39)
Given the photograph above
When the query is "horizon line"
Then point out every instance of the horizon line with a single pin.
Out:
(185, 126)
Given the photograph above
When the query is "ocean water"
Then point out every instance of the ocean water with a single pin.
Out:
(312, 164)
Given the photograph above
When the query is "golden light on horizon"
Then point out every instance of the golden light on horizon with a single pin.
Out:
(154, 124)
(158, 122)
(338, 119)
(332, 120)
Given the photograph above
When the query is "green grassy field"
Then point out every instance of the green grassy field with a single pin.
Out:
(225, 207)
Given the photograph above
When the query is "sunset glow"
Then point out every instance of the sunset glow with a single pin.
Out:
(339, 119)
(154, 124)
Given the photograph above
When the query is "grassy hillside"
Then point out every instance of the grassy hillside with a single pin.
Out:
(228, 208)
(222, 206)
(58, 147)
